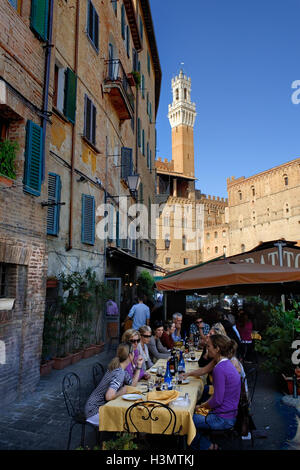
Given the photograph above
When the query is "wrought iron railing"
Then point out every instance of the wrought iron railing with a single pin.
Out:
(116, 73)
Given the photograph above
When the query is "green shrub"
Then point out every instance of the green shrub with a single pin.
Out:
(8, 152)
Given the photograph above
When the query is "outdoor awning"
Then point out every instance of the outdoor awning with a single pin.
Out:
(221, 274)
(122, 255)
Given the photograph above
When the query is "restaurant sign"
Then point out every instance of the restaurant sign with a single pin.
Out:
(290, 257)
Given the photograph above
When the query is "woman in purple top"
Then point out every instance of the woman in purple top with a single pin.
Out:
(223, 405)
(134, 337)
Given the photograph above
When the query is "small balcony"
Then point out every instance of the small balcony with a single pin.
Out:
(117, 85)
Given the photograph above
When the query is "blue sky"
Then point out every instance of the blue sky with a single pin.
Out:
(242, 57)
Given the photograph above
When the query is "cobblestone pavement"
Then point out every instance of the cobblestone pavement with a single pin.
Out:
(40, 421)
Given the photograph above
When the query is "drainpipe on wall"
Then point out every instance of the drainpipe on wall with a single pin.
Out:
(45, 115)
(73, 134)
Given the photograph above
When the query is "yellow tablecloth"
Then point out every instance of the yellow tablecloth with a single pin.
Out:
(112, 414)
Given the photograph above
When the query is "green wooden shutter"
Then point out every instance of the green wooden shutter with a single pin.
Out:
(148, 155)
(70, 95)
(127, 41)
(88, 219)
(33, 159)
(39, 18)
(143, 142)
(118, 228)
(123, 21)
(54, 190)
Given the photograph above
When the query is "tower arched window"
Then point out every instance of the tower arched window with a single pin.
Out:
(177, 94)
(240, 195)
(185, 94)
(286, 180)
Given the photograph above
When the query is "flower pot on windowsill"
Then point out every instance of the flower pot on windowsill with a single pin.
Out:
(46, 367)
(77, 356)
(6, 180)
(62, 362)
(89, 351)
(6, 304)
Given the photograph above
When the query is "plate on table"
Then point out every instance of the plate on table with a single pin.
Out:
(192, 360)
(153, 370)
(132, 397)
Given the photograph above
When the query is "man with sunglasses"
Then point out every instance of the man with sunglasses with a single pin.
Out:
(139, 313)
(199, 328)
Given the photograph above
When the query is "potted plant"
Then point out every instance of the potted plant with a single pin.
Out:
(282, 329)
(8, 151)
(124, 441)
(136, 77)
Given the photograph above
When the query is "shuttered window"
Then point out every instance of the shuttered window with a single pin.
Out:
(143, 142)
(141, 29)
(134, 60)
(70, 95)
(39, 18)
(150, 111)
(126, 162)
(93, 25)
(33, 159)
(141, 195)
(88, 219)
(90, 120)
(53, 212)
(143, 86)
(150, 161)
(127, 41)
(148, 62)
(139, 132)
(123, 21)
(115, 6)
(148, 155)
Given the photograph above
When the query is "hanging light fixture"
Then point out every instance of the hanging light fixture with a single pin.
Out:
(133, 182)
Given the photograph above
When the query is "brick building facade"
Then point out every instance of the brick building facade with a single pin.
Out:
(79, 92)
(23, 256)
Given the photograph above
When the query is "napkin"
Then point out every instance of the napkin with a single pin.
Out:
(130, 389)
(165, 396)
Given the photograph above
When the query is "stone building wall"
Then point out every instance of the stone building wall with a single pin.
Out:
(264, 207)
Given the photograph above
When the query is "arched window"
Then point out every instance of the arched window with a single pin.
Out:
(243, 248)
(286, 180)
(240, 195)
(184, 243)
(216, 249)
(253, 190)
(185, 96)
(224, 233)
(224, 250)
(216, 234)
(177, 94)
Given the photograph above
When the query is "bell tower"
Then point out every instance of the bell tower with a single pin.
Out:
(182, 114)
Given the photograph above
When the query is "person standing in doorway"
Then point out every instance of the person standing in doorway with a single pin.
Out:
(139, 313)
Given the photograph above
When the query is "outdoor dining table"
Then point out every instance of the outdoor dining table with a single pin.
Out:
(112, 414)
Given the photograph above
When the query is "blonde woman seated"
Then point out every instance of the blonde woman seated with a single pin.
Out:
(134, 337)
(146, 333)
(113, 383)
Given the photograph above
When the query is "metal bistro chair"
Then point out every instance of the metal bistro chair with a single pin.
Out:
(147, 410)
(71, 393)
(98, 373)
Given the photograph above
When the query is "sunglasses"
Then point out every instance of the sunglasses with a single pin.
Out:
(135, 340)
(199, 321)
(146, 336)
